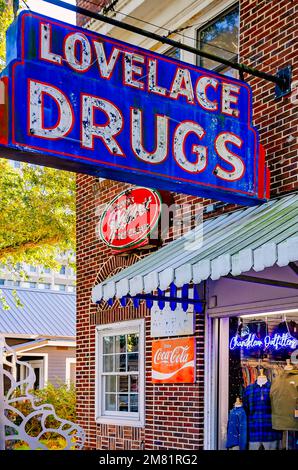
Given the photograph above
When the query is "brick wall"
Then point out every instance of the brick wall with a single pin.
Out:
(97, 6)
(174, 414)
(268, 41)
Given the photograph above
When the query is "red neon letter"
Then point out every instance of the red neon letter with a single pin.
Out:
(45, 45)
(229, 157)
(181, 133)
(161, 143)
(64, 123)
(105, 132)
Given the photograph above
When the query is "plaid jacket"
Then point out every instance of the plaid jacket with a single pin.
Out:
(256, 401)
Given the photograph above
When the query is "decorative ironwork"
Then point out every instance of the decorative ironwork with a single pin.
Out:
(14, 423)
(162, 299)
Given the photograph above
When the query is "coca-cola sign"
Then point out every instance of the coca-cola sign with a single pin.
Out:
(173, 360)
(130, 218)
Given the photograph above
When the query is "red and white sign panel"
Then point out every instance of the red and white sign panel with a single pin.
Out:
(130, 218)
(173, 360)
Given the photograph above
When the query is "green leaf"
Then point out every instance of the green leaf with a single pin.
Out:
(37, 207)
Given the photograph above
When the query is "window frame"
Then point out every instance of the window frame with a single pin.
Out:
(41, 362)
(168, 52)
(220, 67)
(69, 361)
(119, 417)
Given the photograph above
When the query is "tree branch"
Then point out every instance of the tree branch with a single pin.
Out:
(29, 245)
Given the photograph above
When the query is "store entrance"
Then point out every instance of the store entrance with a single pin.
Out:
(257, 392)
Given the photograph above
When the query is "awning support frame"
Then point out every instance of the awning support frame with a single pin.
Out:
(264, 281)
(163, 300)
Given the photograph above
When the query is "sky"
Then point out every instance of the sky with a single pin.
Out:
(40, 6)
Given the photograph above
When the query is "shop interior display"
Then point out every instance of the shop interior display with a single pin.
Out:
(263, 383)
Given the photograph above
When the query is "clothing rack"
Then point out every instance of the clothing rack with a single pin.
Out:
(250, 370)
(261, 363)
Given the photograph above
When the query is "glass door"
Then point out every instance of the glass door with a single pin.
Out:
(257, 381)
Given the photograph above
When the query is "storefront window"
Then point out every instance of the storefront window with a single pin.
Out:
(121, 363)
(220, 37)
(262, 384)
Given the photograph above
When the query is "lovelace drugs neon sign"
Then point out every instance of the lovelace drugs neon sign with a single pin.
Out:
(277, 342)
(82, 101)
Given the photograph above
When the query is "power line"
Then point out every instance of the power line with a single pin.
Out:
(282, 79)
(178, 32)
(26, 4)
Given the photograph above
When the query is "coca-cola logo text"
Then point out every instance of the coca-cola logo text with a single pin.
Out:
(178, 355)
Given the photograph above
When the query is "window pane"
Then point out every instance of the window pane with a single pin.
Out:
(229, 72)
(132, 362)
(63, 270)
(108, 363)
(110, 402)
(120, 377)
(123, 384)
(222, 33)
(110, 383)
(173, 52)
(108, 343)
(123, 402)
(134, 386)
(120, 344)
(132, 343)
(134, 405)
(120, 362)
(37, 378)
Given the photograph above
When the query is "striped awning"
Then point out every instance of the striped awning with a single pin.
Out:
(230, 244)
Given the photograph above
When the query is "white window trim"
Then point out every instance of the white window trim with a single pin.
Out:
(45, 363)
(68, 362)
(44, 368)
(125, 419)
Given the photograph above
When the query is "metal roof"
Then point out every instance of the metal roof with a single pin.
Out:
(44, 313)
(41, 342)
(232, 243)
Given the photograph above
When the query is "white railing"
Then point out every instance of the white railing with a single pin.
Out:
(14, 423)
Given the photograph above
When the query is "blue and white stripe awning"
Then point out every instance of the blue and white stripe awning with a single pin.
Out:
(232, 243)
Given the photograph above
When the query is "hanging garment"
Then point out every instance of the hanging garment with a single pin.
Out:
(237, 428)
(256, 402)
(258, 329)
(283, 394)
(290, 327)
(272, 445)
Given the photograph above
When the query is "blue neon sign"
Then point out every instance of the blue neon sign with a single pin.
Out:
(85, 102)
(276, 342)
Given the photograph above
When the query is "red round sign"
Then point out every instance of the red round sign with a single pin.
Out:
(130, 218)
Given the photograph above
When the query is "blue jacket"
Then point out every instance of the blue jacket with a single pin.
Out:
(237, 428)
